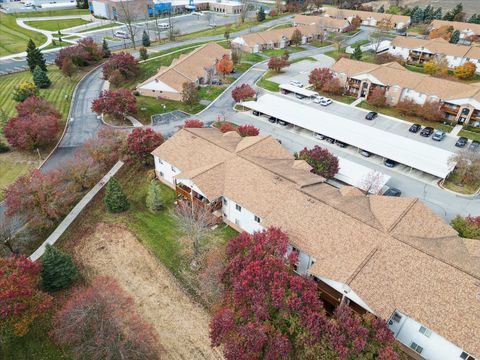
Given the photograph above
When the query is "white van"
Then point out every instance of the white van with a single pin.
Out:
(164, 26)
(121, 34)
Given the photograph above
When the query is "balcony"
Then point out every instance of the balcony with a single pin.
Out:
(184, 191)
(449, 109)
(197, 199)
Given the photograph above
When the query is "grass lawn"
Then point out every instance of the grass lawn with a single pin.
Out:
(267, 84)
(306, 58)
(320, 44)
(251, 57)
(55, 25)
(335, 53)
(43, 13)
(469, 134)
(148, 106)
(210, 92)
(101, 27)
(13, 38)
(453, 183)
(242, 67)
(391, 111)
(11, 169)
(281, 26)
(280, 52)
(341, 98)
(359, 43)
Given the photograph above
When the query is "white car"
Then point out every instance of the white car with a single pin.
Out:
(121, 34)
(319, 136)
(164, 26)
(325, 102)
(318, 99)
(296, 83)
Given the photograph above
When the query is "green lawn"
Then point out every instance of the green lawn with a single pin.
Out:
(55, 25)
(106, 26)
(359, 43)
(242, 67)
(319, 44)
(148, 106)
(251, 57)
(306, 58)
(44, 13)
(341, 98)
(11, 169)
(13, 38)
(210, 92)
(280, 52)
(392, 111)
(469, 134)
(267, 84)
(452, 182)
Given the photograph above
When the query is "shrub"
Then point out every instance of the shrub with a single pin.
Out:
(58, 271)
(247, 130)
(85, 53)
(243, 92)
(465, 71)
(319, 76)
(193, 123)
(3, 147)
(387, 58)
(36, 105)
(377, 97)
(40, 78)
(322, 161)
(116, 103)
(24, 90)
(123, 62)
(31, 131)
(115, 199)
(143, 53)
(431, 111)
(226, 127)
(142, 141)
(333, 87)
(277, 63)
(467, 227)
(154, 200)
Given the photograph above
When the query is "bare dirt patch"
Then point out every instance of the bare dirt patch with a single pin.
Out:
(182, 325)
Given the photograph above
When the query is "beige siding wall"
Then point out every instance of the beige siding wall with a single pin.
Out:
(161, 94)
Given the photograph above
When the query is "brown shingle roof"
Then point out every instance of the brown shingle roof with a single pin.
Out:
(457, 25)
(437, 46)
(322, 21)
(344, 13)
(275, 35)
(393, 252)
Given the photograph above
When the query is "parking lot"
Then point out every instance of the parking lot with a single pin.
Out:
(301, 70)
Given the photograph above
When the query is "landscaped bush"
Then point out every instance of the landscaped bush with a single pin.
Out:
(125, 63)
(247, 130)
(58, 271)
(116, 103)
(154, 200)
(226, 127)
(24, 90)
(322, 161)
(85, 53)
(193, 123)
(467, 227)
(242, 92)
(115, 199)
(31, 131)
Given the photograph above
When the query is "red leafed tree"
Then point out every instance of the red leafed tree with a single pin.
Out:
(106, 148)
(41, 198)
(333, 86)
(226, 127)
(247, 130)
(141, 142)
(116, 103)
(100, 322)
(31, 131)
(322, 161)
(431, 111)
(319, 76)
(193, 123)
(225, 65)
(86, 52)
(243, 92)
(377, 97)
(277, 63)
(125, 63)
(36, 105)
(20, 297)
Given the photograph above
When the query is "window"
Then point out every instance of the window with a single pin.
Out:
(225, 201)
(466, 356)
(173, 168)
(161, 174)
(257, 219)
(237, 222)
(238, 207)
(160, 161)
(397, 317)
(416, 347)
(423, 330)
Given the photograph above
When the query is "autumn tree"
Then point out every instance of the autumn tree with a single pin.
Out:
(408, 107)
(142, 141)
(377, 97)
(193, 123)
(296, 38)
(247, 130)
(115, 199)
(467, 166)
(465, 71)
(106, 325)
(143, 52)
(68, 68)
(190, 94)
(22, 300)
(31, 131)
(81, 171)
(431, 111)
(124, 62)
(322, 161)
(226, 127)
(277, 63)
(58, 271)
(24, 90)
(467, 227)
(436, 67)
(106, 148)
(38, 106)
(372, 182)
(225, 65)
(319, 76)
(85, 53)
(115, 103)
(333, 86)
(243, 92)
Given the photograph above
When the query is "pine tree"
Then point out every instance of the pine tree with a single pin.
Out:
(115, 199)
(154, 200)
(455, 37)
(381, 9)
(437, 14)
(417, 16)
(35, 57)
(261, 14)
(106, 50)
(40, 78)
(145, 39)
(357, 53)
(428, 14)
(474, 19)
(59, 271)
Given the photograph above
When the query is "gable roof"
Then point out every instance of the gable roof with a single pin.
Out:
(364, 15)
(457, 25)
(187, 68)
(393, 252)
(437, 46)
(321, 21)
(273, 36)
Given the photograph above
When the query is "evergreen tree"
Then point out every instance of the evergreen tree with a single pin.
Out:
(35, 57)
(115, 199)
(261, 14)
(417, 16)
(474, 19)
(455, 37)
(154, 200)
(40, 78)
(145, 39)
(357, 53)
(381, 9)
(428, 14)
(59, 271)
(106, 50)
(437, 14)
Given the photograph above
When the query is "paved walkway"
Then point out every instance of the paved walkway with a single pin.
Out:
(356, 102)
(456, 130)
(134, 121)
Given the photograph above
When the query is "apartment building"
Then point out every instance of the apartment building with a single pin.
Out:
(466, 29)
(421, 51)
(197, 66)
(460, 101)
(369, 18)
(324, 23)
(388, 256)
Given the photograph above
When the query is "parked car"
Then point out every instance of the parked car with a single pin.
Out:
(330, 140)
(318, 99)
(279, 141)
(371, 115)
(283, 123)
(325, 102)
(365, 153)
(392, 192)
(415, 128)
(474, 145)
(438, 135)
(164, 26)
(256, 113)
(300, 96)
(319, 136)
(389, 163)
(272, 119)
(341, 144)
(427, 131)
(216, 82)
(121, 34)
(461, 142)
(296, 83)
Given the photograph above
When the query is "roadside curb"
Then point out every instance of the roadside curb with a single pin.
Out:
(466, 196)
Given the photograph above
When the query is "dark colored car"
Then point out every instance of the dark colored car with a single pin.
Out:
(426, 132)
(341, 144)
(390, 163)
(392, 192)
(461, 142)
(272, 119)
(330, 140)
(371, 115)
(300, 96)
(474, 145)
(414, 128)
(256, 113)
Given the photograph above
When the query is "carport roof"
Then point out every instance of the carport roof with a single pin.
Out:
(418, 155)
(298, 90)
